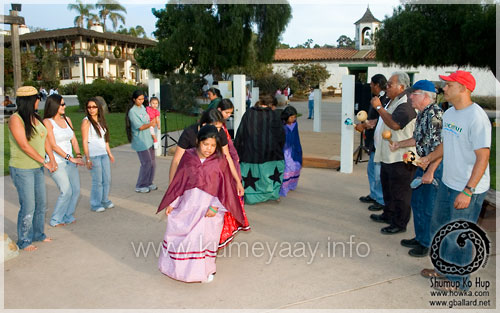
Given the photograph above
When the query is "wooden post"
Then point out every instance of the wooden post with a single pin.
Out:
(16, 52)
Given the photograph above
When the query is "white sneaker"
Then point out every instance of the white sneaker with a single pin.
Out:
(209, 279)
(110, 206)
(142, 190)
(153, 187)
(101, 209)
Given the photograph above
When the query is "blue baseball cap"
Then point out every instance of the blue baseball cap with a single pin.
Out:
(424, 85)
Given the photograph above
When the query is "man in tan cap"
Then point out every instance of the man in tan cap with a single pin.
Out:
(465, 151)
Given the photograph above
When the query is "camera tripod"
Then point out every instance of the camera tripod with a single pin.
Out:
(166, 135)
(359, 151)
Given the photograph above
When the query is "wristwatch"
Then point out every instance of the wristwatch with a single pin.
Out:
(378, 107)
(470, 188)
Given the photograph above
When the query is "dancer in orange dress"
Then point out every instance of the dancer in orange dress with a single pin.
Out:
(231, 225)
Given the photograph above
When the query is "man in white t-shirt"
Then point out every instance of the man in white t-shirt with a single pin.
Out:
(465, 151)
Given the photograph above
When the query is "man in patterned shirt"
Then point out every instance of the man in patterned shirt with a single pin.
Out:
(426, 138)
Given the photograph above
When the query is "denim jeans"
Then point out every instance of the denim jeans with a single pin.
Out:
(311, 108)
(373, 171)
(147, 170)
(30, 185)
(67, 179)
(101, 179)
(445, 213)
(423, 200)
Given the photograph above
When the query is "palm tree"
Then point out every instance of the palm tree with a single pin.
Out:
(138, 31)
(133, 31)
(110, 8)
(83, 11)
(92, 18)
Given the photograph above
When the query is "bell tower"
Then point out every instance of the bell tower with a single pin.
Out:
(366, 28)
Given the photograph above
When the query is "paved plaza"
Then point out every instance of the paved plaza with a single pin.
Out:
(315, 249)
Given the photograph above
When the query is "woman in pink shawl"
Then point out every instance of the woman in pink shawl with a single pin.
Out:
(200, 193)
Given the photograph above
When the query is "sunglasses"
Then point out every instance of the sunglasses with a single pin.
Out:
(63, 104)
(92, 107)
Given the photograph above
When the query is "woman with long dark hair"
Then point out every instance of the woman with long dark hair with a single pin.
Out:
(231, 225)
(28, 148)
(137, 124)
(63, 141)
(95, 141)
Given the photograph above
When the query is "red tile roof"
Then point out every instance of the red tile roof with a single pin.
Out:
(320, 54)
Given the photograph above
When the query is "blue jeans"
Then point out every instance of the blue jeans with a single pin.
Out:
(423, 200)
(30, 185)
(373, 171)
(68, 181)
(101, 179)
(147, 170)
(311, 108)
(445, 213)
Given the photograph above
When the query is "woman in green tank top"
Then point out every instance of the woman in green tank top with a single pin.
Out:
(28, 148)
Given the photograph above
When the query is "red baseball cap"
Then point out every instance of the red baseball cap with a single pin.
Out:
(462, 77)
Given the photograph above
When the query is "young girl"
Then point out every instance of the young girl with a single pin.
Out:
(187, 140)
(195, 203)
(62, 138)
(292, 151)
(231, 225)
(154, 117)
(95, 139)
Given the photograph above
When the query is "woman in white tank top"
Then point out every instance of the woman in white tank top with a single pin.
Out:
(95, 138)
(63, 141)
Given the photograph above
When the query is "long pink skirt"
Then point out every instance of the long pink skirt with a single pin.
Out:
(191, 239)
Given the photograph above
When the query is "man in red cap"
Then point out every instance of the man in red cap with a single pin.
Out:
(465, 151)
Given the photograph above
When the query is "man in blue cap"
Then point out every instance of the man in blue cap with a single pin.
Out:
(426, 138)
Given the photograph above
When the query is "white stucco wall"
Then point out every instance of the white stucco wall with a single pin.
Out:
(486, 83)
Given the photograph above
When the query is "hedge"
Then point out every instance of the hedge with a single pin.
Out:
(117, 95)
(70, 89)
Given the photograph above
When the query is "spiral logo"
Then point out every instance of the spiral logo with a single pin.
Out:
(469, 231)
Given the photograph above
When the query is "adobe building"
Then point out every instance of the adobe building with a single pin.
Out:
(361, 62)
(88, 54)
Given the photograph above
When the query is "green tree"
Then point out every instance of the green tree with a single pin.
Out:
(47, 69)
(308, 75)
(345, 42)
(27, 67)
(211, 38)
(111, 9)
(83, 11)
(439, 35)
(282, 46)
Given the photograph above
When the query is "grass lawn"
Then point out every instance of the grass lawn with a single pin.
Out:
(116, 125)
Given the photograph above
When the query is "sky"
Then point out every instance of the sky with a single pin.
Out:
(323, 21)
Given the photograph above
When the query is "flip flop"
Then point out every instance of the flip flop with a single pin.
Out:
(430, 272)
